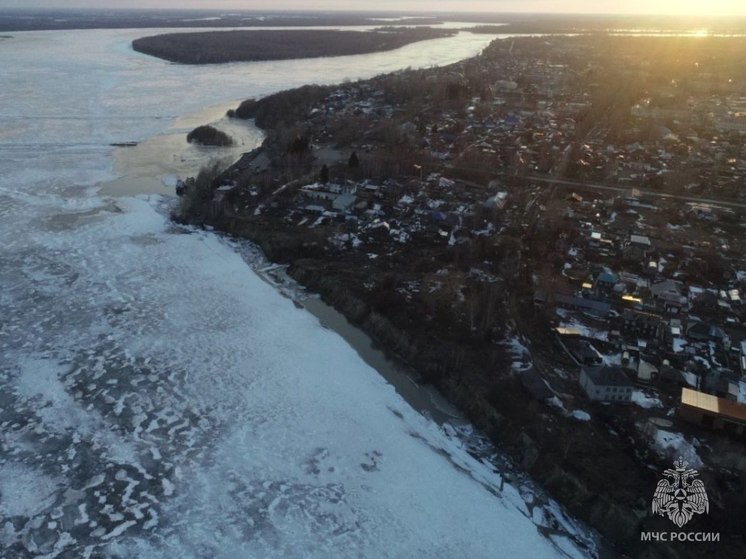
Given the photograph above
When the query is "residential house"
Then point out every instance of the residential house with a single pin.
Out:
(668, 296)
(723, 383)
(633, 282)
(641, 324)
(344, 202)
(605, 282)
(637, 247)
(704, 301)
(599, 309)
(606, 384)
(640, 241)
(703, 332)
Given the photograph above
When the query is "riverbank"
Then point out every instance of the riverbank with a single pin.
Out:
(154, 164)
(518, 429)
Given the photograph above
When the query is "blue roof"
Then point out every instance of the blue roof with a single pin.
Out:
(607, 277)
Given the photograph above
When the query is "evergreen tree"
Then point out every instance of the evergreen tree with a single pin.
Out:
(299, 146)
(324, 174)
(353, 162)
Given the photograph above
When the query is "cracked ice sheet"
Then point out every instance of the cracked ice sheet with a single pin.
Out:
(174, 404)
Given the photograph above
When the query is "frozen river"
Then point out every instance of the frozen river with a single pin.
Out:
(157, 398)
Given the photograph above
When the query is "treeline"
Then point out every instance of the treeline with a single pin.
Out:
(36, 20)
(209, 136)
(284, 107)
(245, 46)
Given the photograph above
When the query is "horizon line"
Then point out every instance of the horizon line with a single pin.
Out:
(414, 13)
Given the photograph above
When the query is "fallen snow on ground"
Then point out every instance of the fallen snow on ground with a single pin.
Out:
(519, 352)
(557, 403)
(644, 401)
(581, 415)
(679, 344)
(516, 346)
(673, 445)
(570, 321)
(612, 359)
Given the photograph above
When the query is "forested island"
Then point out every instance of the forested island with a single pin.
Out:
(217, 47)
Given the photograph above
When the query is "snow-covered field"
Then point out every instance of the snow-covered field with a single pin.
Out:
(157, 398)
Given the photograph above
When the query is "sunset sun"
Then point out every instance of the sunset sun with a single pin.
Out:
(696, 7)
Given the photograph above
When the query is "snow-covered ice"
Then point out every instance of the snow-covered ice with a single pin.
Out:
(220, 415)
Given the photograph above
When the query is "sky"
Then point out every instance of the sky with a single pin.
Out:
(671, 7)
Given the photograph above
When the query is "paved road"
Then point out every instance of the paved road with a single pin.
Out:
(627, 189)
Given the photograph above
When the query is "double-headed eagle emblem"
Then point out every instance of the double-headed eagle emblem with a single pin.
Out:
(679, 495)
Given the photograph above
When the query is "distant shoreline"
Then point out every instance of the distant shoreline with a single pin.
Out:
(70, 19)
(218, 47)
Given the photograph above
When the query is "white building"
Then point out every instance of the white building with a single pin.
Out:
(606, 384)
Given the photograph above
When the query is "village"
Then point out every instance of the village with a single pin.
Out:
(645, 314)
(532, 218)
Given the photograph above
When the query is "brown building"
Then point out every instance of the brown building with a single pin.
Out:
(713, 412)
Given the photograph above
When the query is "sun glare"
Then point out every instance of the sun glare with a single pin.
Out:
(669, 8)
(712, 8)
